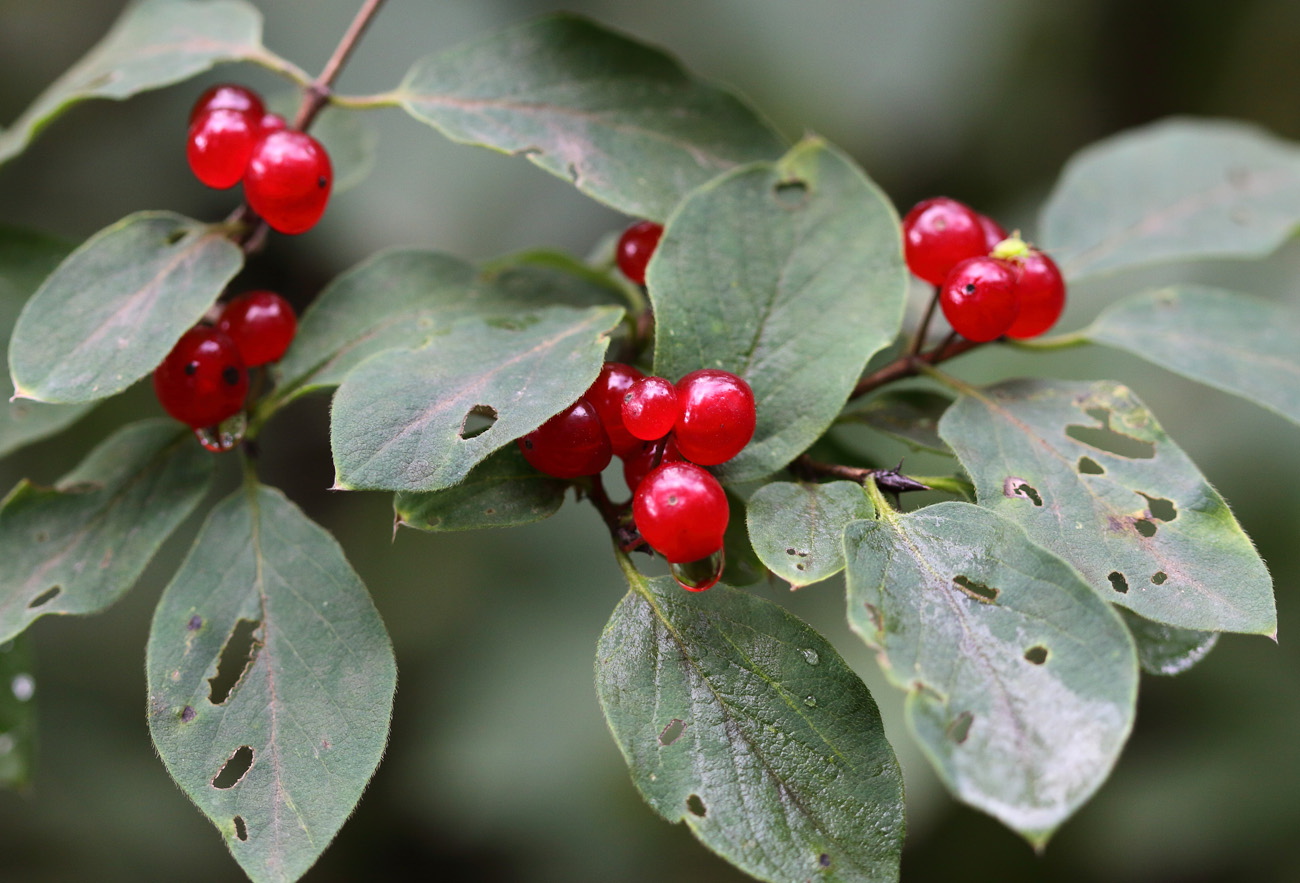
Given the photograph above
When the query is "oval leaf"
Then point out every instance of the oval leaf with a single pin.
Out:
(1178, 189)
(403, 420)
(621, 120)
(502, 491)
(740, 720)
(1165, 650)
(747, 274)
(17, 713)
(1021, 683)
(271, 682)
(110, 312)
(1088, 472)
(78, 547)
(797, 528)
(909, 415)
(1233, 342)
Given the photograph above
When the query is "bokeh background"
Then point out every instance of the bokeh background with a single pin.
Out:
(500, 767)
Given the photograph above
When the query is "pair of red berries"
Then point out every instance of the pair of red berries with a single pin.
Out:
(990, 284)
(204, 379)
(287, 175)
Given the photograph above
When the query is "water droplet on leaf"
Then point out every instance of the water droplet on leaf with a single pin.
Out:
(812, 657)
(810, 701)
(696, 576)
(224, 436)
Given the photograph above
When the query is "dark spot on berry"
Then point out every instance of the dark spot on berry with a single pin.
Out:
(230, 375)
(970, 287)
(322, 182)
(190, 368)
(528, 443)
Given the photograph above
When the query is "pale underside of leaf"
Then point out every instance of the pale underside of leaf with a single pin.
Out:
(502, 491)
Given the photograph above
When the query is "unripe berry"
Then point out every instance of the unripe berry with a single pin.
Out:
(635, 247)
(202, 381)
(681, 511)
(606, 396)
(716, 416)
(979, 298)
(288, 180)
(938, 234)
(650, 408)
(262, 325)
(570, 444)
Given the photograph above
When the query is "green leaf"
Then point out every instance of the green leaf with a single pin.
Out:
(502, 491)
(1233, 342)
(1165, 650)
(797, 527)
(399, 420)
(619, 119)
(351, 142)
(1178, 189)
(116, 306)
(740, 720)
(1088, 472)
(78, 547)
(17, 713)
(1021, 682)
(26, 258)
(153, 44)
(909, 415)
(790, 275)
(266, 648)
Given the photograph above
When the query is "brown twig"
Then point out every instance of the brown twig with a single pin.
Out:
(317, 94)
(909, 365)
(615, 517)
(919, 340)
(892, 480)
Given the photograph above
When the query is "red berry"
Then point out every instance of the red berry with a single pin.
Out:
(646, 459)
(228, 96)
(1042, 295)
(261, 323)
(717, 416)
(681, 511)
(650, 408)
(203, 380)
(220, 144)
(979, 298)
(937, 234)
(271, 122)
(288, 180)
(993, 231)
(570, 444)
(635, 247)
(606, 396)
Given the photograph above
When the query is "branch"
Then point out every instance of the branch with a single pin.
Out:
(910, 365)
(892, 480)
(317, 94)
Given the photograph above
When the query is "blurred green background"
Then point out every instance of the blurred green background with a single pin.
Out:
(500, 766)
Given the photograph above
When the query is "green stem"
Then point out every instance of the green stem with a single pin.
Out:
(1058, 342)
(368, 102)
(270, 61)
(318, 91)
(919, 340)
(883, 509)
(949, 484)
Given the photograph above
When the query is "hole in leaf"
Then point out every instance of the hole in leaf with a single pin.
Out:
(1159, 577)
(1118, 582)
(791, 194)
(237, 656)
(1036, 654)
(824, 860)
(478, 421)
(1160, 508)
(1103, 438)
(672, 732)
(696, 806)
(979, 591)
(195, 623)
(1018, 487)
(959, 729)
(790, 551)
(175, 236)
(800, 566)
(240, 830)
(187, 714)
(44, 597)
(239, 763)
(1144, 527)
(1089, 466)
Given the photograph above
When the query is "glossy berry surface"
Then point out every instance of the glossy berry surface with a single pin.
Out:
(271, 122)
(979, 298)
(606, 396)
(570, 444)
(288, 180)
(262, 325)
(647, 458)
(716, 416)
(650, 408)
(203, 380)
(681, 511)
(220, 145)
(1041, 289)
(635, 247)
(228, 96)
(993, 231)
(938, 234)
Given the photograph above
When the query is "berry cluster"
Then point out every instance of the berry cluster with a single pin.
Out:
(990, 284)
(287, 175)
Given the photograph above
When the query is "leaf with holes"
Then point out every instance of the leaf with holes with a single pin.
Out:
(1021, 682)
(271, 682)
(1179, 189)
(909, 415)
(1165, 650)
(1088, 472)
(619, 119)
(155, 43)
(26, 258)
(748, 270)
(1234, 342)
(116, 306)
(502, 491)
(77, 547)
(740, 720)
(796, 527)
(401, 420)
(17, 713)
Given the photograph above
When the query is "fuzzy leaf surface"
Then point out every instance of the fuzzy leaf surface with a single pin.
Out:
(153, 44)
(789, 274)
(1178, 189)
(740, 720)
(116, 306)
(621, 120)
(398, 418)
(1087, 471)
(1165, 650)
(17, 713)
(1234, 342)
(796, 527)
(909, 415)
(310, 708)
(502, 491)
(91, 535)
(1021, 689)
